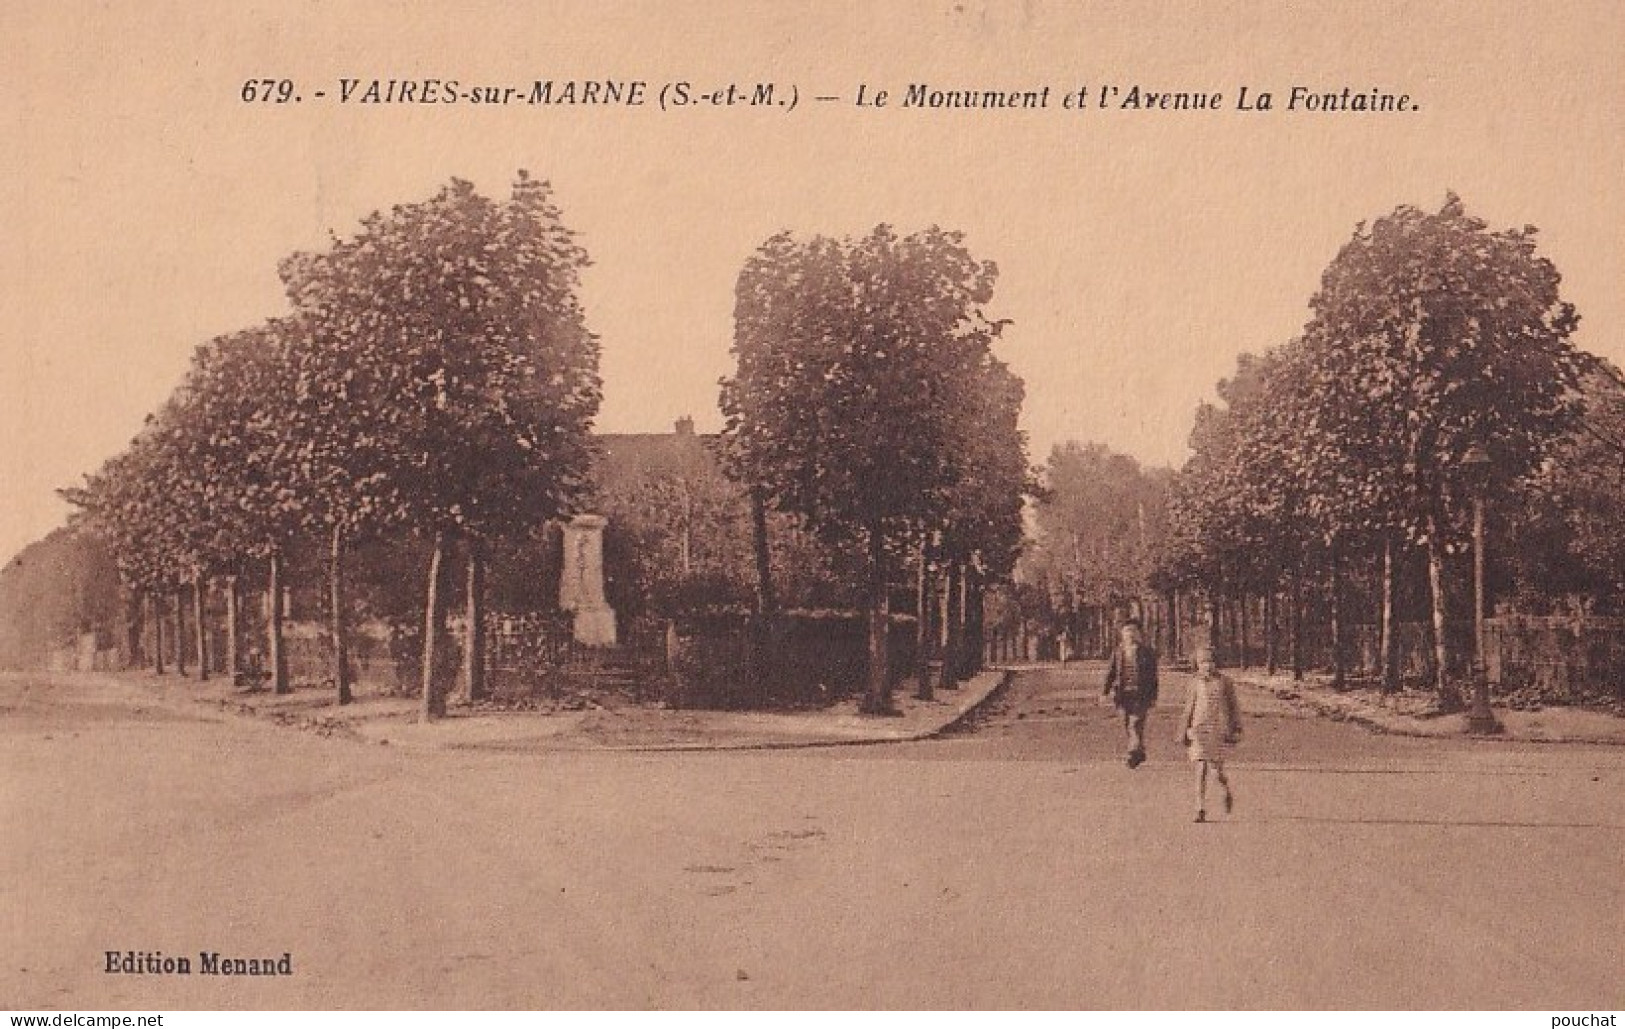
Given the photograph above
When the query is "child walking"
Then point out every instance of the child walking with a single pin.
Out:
(1211, 725)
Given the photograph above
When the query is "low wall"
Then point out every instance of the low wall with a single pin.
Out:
(803, 659)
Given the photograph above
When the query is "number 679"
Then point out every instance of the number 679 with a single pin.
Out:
(269, 91)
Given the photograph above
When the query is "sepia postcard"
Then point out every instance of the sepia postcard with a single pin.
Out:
(944, 504)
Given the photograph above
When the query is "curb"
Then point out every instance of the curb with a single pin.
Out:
(1005, 675)
(1305, 698)
(339, 729)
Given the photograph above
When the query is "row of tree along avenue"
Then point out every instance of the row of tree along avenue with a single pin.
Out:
(436, 375)
(430, 392)
(435, 381)
(1437, 369)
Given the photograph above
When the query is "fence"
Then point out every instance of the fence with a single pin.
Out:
(804, 658)
(714, 660)
(371, 649)
(1559, 656)
(1563, 657)
(1362, 649)
(537, 654)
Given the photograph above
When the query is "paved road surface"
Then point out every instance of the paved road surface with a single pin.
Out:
(1017, 864)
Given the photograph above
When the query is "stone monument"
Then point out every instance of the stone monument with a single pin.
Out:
(581, 586)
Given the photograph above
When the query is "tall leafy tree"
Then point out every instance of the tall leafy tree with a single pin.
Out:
(452, 334)
(1278, 519)
(1565, 530)
(1098, 527)
(1232, 512)
(255, 469)
(139, 502)
(1434, 334)
(982, 533)
(852, 356)
(114, 503)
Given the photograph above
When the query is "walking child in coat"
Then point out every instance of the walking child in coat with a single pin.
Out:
(1211, 725)
(1131, 685)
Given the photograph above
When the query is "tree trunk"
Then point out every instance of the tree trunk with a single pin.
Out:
(1173, 623)
(953, 625)
(275, 645)
(134, 629)
(1232, 614)
(434, 700)
(1339, 672)
(1387, 651)
(157, 601)
(975, 621)
(200, 626)
(1241, 629)
(474, 645)
(685, 538)
(762, 630)
(337, 610)
(924, 587)
(1215, 634)
(1218, 642)
(234, 628)
(1447, 694)
(962, 660)
(180, 632)
(1271, 656)
(767, 601)
(877, 700)
(1296, 618)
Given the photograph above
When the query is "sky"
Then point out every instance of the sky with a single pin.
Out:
(1139, 251)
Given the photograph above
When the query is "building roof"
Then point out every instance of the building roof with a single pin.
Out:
(625, 459)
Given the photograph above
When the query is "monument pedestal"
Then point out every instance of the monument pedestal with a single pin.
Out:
(581, 586)
(595, 626)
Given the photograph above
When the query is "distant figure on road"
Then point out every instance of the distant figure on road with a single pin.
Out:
(1210, 727)
(251, 677)
(1131, 682)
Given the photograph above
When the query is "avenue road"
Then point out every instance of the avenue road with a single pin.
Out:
(1013, 864)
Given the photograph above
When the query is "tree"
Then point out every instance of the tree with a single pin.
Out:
(1566, 531)
(140, 501)
(982, 533)
(451, 334)
(685, 524)
(57, 589)
(1236, 524)
(256, 470)
(1285, 507)
(1431, 334)
(1098, 527)
(852, 356)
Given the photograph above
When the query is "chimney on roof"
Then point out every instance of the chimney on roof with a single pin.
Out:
(685, 426)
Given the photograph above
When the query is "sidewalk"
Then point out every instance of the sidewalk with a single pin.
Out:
(585, 724)
(1410, 714)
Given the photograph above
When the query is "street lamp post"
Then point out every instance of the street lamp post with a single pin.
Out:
(1475, 466)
